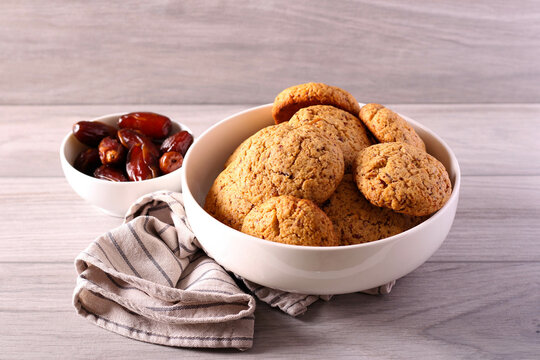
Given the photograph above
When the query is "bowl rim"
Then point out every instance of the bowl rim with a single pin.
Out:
(375, 243)
(119, 183)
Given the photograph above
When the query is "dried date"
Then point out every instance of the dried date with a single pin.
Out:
(153, 125)
(170, 161)
(141, 164)
(87, 161)
(106, 172)
(179, 142)
(130, 138)
(92, 132)
(111, 152)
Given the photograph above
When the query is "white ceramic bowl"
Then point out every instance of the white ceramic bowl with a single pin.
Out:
(302, 269)
(114, 198)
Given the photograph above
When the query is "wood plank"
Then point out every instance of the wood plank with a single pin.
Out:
(497, 219)
(480, 135)
(487, 139)
(93, 52)
(44, 220)
(489, 310)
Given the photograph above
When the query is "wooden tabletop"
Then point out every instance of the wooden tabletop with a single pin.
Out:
(477, 297)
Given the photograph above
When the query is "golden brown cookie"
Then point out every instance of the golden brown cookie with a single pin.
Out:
(225, 201)
(387, 126)
(302, 162)
(357, 221)
(403, 178)
(290, 220)
(300, 96)
(246, 144)
(345, 129)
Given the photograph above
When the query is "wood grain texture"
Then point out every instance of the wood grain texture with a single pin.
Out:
(496, 220)
(171, 52)
(422, 318)
(487, 139)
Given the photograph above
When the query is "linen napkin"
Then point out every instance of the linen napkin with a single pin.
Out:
(149, 280)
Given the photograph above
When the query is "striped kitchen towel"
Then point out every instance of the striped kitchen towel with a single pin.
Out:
(149, 280)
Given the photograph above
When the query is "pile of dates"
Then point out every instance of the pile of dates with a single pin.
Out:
(140, 149)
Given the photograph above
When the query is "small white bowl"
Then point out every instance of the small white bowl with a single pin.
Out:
(113, 198)
(303, 269)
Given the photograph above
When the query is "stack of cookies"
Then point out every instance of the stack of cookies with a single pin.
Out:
(328, 173)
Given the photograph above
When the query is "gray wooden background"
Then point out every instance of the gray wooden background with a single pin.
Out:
(462, 68)
(245, 52)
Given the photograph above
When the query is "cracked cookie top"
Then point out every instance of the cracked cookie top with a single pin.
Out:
(290, 220)
(357, 221)
(300, 96)
(345, 129)
(260, 135)
(403, 178)
(388, 126)
(302, 162)
(226, 202)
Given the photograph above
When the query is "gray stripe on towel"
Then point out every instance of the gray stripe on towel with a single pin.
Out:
(136, 236)
(109, 234)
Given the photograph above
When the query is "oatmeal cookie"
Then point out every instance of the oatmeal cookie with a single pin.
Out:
(387, 126)
(302, 162)
(345, 129)
(296, 97)
(290, 220)
(403, 178)
(357, 221)
(225, 201)
(260, 135)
